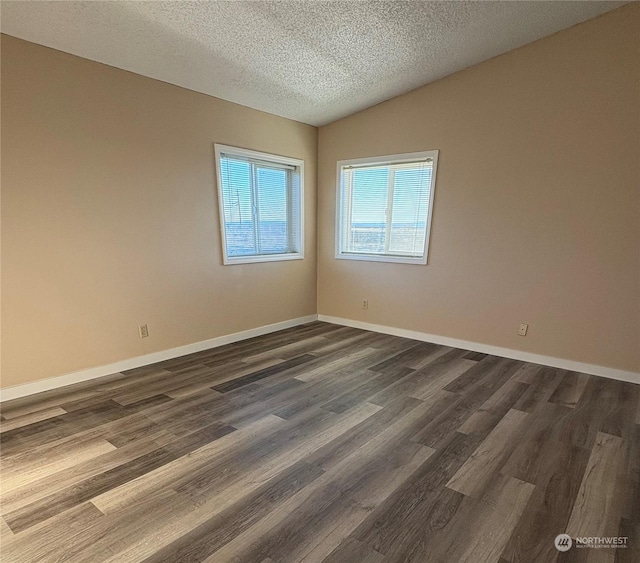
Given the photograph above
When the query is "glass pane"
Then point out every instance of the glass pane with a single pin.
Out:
(370, 195)
(411, 193)
(238, 207)
(272, 210)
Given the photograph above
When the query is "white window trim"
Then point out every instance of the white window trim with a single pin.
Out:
(385, 159)
(267, 157)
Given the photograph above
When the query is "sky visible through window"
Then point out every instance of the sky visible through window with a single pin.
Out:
(253, 192)
(387, 210)
(245, 184)
(371, 195)
(272, 192)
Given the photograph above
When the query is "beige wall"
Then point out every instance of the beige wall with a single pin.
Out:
(110, 217)
(536, 215)
(109, 211)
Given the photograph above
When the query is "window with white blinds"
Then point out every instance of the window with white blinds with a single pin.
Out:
(260, 197)
(384, 207)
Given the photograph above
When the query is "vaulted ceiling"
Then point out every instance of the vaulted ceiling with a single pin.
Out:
(312, 61)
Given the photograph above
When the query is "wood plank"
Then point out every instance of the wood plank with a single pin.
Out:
(323, 392)
(630, 477)
(570, 390)
(455, 411)
(365, 390)
(413, 384)
(619, 408)
(335, 451)
(584, 423)
(52, 541)
(494, 408)
(439, 376)
(16, 474)
(217, 531)
(218, 499)
(540, 389)
(5, 532)
(479, 371)
(539, 444)
(557, 477)
(475, 356)
(406, 358)
(32, 418)
(358, 497)
(528, 373)
(165, 475)
(196, 385)
(71, 475)
(476, 472)
(350, 549)
(288, 351)
(597, 510)
(495, 519)
(431, 538)
(342, 364)
(631, 530)
(402, 515)
(340, 498)
(262, 373)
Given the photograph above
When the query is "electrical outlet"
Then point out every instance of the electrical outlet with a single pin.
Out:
(522, 330)
(143, 331)
(365, 303)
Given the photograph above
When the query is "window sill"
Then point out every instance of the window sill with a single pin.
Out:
(420, 260)
(262, 258)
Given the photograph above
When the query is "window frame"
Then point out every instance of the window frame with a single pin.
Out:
(267, 158)
(391, 159)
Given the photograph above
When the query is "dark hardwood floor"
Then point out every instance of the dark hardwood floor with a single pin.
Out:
(323, 443)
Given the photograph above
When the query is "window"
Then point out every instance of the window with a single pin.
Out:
(261, 203)
(384, 207)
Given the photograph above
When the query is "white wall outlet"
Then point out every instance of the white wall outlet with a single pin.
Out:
(143, 331)
(365, 303)
(522, 330)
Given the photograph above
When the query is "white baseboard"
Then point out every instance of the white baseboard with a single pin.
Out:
(139, 361)
(593, 369)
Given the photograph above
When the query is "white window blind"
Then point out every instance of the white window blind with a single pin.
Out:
(384, 207)
(260, 205)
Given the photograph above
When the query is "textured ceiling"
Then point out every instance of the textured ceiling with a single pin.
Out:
(313, 61)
